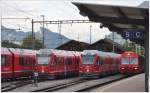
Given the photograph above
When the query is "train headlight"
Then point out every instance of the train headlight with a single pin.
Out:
(42, 71)
(80, 71)
(87, 70)
(122, 68)
(135, 68)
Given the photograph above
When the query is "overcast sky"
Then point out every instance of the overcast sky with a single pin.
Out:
(56, 10)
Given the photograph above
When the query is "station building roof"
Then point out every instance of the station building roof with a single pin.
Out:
(117, 18)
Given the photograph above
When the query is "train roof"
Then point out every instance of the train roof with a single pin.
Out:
(57, 52)
(101, 53)
(5, 50)
(90, 52)
(22, 51)
(45, 51)
(114, 55)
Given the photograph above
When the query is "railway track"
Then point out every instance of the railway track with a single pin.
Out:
(60, 86)
(90, 84)
(80, 85)
(89, 87)
(14, 85)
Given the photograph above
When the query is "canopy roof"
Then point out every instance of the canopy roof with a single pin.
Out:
(117, 18)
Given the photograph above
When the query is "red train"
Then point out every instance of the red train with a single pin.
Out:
(57, 63)
(131, 63)
(16, 63)
(96, 63)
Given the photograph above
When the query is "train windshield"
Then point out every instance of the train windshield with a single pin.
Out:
(133, 60)
(125, 61)
(87, 59)
(43, 60)
(129, 60)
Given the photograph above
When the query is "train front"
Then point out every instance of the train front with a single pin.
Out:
(129, 63)
(87, 67)
(43, 62)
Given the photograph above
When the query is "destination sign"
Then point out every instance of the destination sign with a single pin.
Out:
(133, 34)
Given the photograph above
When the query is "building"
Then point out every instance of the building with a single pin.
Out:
(107, 46)
(73, 45)
(101, 45)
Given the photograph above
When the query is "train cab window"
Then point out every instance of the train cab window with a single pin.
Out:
(68, 61)
(43, 60)
(125, 61)
(133, 60)
(4, 60)
(87, 59)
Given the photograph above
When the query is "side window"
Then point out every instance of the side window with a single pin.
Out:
(78, 61)
(59, 60)
(4, 60)
(24, 61)
(69, 61)
(31, 61)
(98, 62)
(55, 61)
(101, 61)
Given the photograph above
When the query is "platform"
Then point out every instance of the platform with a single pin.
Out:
(132, 84)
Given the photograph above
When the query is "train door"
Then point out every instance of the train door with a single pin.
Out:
(117, 64)
(102, 59)
(113, 64)
(60, 65)
(55, 66)
(25, 65)
(16, 65)
(98, 64)
(141, 62)
(73, 65)
(68, 65)
(6, 66)
(78, 61)
(108, 66)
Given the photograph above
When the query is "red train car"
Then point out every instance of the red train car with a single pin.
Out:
(131, 63)
(17, 63)
(57, 63)
(6, 63)
(96, 63)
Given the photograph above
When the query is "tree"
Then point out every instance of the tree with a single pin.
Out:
(8, 44)
(27, 43)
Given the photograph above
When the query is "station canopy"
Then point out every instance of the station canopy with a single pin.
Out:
(118, 18)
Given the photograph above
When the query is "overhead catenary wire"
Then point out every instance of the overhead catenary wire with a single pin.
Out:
(22, 11)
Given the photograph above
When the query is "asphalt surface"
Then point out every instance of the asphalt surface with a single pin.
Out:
(131, 84)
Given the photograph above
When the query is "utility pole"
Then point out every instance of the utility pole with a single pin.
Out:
(90, 33)
(33, 37)
(43, 29)
(1, 24)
